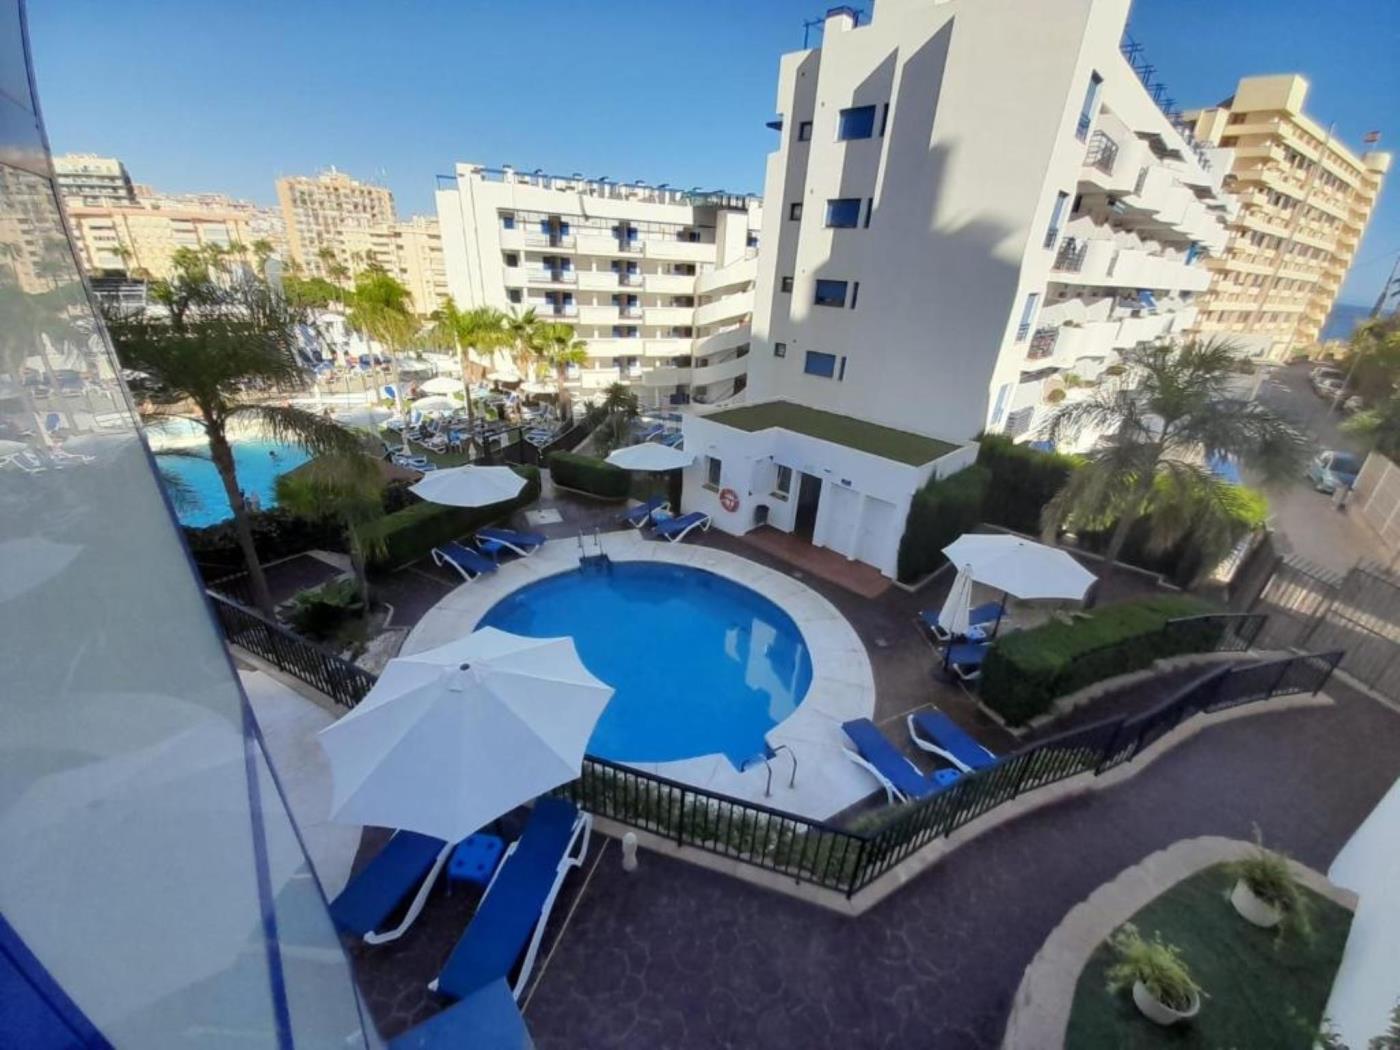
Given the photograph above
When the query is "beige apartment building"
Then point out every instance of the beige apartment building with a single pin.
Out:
(410, 250)
(1305, 199)
(331, 211)
(93, 179)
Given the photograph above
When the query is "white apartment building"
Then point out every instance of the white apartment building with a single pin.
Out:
(93, 179)
(975, 205)
(657, 281)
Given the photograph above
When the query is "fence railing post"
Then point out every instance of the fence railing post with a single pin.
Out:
(1336, 658)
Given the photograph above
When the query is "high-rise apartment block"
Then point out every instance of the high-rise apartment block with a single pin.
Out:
(1305, 199)
(973, 209)
(412, 252)
(657, 281)
(92, 179)
(329, 215)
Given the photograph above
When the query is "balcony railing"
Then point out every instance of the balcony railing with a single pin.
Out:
(630, 247)
(630, 311)
(1102, 153)
(552, 277)
(560, 311)
(1070, 257)
(630, 280)
(550, 240)
(1043, 342)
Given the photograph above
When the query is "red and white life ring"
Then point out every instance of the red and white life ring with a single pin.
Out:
(729, 500)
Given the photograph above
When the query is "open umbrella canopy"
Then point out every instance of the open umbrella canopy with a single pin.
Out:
(452, 738)
(470, 486)
(954, 617)
(436, 403)
(650, 456)
(442, 385)
(1020, 567)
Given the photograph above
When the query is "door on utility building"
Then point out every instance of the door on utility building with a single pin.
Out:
(809, 495)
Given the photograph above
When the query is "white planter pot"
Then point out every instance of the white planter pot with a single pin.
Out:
(1160, 1013)
(1252, 908)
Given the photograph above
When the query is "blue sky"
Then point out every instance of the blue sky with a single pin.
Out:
(227, 96)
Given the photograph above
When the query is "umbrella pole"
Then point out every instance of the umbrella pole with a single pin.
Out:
(1001, 611)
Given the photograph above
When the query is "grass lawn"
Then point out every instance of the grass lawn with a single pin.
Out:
(1260, 994)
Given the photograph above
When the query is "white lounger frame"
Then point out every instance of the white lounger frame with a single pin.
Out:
(703, 524)
(663, 505)
(582, 831)
(524, 552)
(892, 793)
(441, 557)
(421, 898)
(933, 749)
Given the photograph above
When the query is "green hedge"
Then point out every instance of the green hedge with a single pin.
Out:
(587, 474)
(1026, 671)
(1023, 481)
(409, 534)
(940, 512)
(277, 534)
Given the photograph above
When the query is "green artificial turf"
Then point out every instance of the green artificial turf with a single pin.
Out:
(1262, 993)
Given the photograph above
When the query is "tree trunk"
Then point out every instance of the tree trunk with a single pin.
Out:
(464, 359)
(222, 456)
(1125, 524)
(357, 565)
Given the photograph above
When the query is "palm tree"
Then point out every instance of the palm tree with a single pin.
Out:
(262, 251)
(555, 347)
(348, 486)
(482, 329)
(203, 358)
(382, 308)
(521, 327)
(1171, 414)
(331, 264)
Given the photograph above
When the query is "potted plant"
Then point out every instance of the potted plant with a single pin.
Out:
(1265, 892)
(1163, 989)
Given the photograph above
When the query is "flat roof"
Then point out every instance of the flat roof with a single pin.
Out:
(859, 434)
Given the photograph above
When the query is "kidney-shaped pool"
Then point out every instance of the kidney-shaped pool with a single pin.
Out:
(700, 664)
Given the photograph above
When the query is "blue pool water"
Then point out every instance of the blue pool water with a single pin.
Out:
(257, 472)
(700, 665)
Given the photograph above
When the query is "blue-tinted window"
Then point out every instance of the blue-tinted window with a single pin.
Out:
(507, 222)
(780, 349)
(856, 123)
(843, 211)
(804, 131)
(819, 364)
(1086, 112)
(831, 293)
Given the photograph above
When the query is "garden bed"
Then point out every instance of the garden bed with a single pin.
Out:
(1262, 992)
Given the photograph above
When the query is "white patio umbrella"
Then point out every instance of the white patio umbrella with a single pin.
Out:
(442, 385)
(953, 617)
(436, 403)
(650, 456)
(469, 486)
(1020, 567)
(452, 738)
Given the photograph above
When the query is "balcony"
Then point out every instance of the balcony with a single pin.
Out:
(1070, 257)
(734, 276)
(551, 276)
(729, 308)
(630, 312)
(724, 339)
(670, 315)
(630, 280)
(549, 240)
(681, 251)
(673, 283)
(1043, 342)
(1102, 153)
(709, 371)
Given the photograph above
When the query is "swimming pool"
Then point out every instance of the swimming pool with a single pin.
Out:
(259, 463)
(700, 665)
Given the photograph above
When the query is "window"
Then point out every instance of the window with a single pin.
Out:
(780, 349)
(831, 293)
(1027, 314)
(752, 241)
(1086, 112)
(624, 331)
(819, 364)
(795, 210)
(785, 284)
(855, 294)
(1053, 233)
(513, 295)
(884, 118)
(714, 468)
(843, 212)
(1000, 406)
(507, 222)
(804, 131)
(512, 259)
(782, 484)
(869, 207)
(842, 373)
(856, 123)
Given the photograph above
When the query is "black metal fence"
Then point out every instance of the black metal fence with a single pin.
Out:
(339, 679)
(847, 860)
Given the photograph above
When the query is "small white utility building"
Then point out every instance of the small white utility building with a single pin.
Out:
(840, 482)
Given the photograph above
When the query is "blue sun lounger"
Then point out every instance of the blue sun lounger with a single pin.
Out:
(466, 561)
(899, 777)
(674, 529)
(408, 860)
(936, 733)
(981, 616)
(641, 514)
(965, 659)
(512, 914)
(522, 543)
(487, 1019)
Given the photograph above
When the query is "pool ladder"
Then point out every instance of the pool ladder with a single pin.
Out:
(599, 557)
(770, 753)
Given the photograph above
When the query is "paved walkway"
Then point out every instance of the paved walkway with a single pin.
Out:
(674, 956)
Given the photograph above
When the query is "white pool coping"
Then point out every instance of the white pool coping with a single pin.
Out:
(842, 688)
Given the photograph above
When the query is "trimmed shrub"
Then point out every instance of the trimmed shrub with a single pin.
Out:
(409, 534)
(277, 534)
(587, 474)
(940, 512)
(1023, 480)
(1026, 671)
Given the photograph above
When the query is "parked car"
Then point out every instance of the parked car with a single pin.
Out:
(1328, 388)
(1353, 404)
(1324, 372)
(1332, 468)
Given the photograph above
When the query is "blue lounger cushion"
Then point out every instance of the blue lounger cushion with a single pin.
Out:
(385, 882)
(504, 921)
(981, 615)
(511, 538)
(672, 526)
(471, 561)
(638, 515)
(968, 654)
(487, 1019)
(948, 735)
(876, 748)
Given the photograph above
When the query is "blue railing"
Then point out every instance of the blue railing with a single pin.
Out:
(1146, 72)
